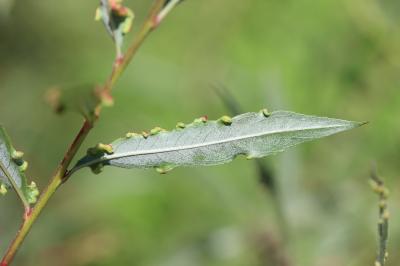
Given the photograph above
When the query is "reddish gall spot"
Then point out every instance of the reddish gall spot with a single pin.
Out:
(28, 213)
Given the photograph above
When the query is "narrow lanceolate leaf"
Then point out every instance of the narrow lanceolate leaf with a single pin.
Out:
(12, 168)
(205, 142)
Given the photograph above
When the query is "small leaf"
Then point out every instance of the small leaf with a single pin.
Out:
(83, 99)
(117, 19)
(12, 168)
(212, 142)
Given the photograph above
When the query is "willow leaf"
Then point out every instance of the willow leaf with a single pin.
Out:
(214, 142)
(12, 168)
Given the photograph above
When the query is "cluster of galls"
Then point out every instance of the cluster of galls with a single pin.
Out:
(32, 191)
(97, 152)
(225, 120)
(102, 149)
(16, 156)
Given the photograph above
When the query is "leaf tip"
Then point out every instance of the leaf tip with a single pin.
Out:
(355, 124)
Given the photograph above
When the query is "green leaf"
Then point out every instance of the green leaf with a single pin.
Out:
(117, 19)
(12, 172)
(214, 142)
(83, 99)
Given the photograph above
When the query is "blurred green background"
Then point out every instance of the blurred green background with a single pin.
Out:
(336, 58)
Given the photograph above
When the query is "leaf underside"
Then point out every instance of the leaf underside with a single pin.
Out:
(265, 173)
(205, 143)
(12, 168)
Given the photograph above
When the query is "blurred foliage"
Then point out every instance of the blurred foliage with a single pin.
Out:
(337, 58)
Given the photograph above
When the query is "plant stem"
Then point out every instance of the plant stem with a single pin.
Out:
(60, 175)
(55, 182)
(383, 225)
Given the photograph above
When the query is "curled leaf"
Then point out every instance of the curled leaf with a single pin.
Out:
(212, 142)
(117, 19)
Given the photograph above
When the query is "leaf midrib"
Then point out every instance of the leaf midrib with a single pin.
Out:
(199, 145)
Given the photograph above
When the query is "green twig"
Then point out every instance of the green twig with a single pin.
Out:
(59, 177)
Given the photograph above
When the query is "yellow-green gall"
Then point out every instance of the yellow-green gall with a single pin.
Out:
(3, 189)
(106, 148)
(386, 215)
(98, 14)
(131, 135)
(202, 119)
(164, 169)
(180, 125)
(265, 112)
(33, 192)
(17, 155)
(156, 130)
(145, 134)
(385, 192)
(23, 166)
(226, 120)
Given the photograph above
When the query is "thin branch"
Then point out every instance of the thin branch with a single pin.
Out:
(379, 188)
(59, 177)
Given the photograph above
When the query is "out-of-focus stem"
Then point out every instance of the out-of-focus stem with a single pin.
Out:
(383, 225)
